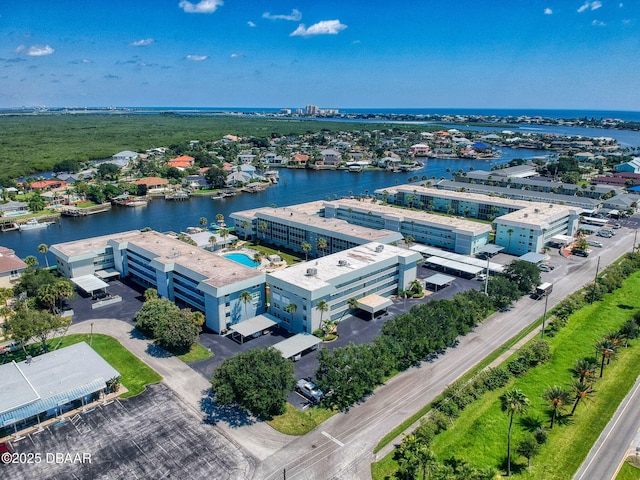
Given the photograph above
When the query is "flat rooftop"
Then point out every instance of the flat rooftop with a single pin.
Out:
(540, 216)
(439, 193)
(407, 215)
(332, 267)
(217, 270)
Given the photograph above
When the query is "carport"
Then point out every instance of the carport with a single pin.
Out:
(457, 268)
(293, 347)
(428, 252)
(252, 326)
(373, 303)
(90, 283)
(588, 228)
(564, 240)
(438, 280)
(490, 249)
(533, 257)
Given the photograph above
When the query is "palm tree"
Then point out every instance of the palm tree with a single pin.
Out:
(352, 304)
(322, 244)
(510, 232)
(580, 390)
(212, 240)
(43, 249)
(512, 402)
(322, 306)
(558, 398)
(203, 222)
(306, 248)
(584, 369)
(245, 297)
(607, 349)
(409, 240)
(220, 219)
(31, 261)
(257, 258)
(291, 309)
(262, 227)
(224, 233)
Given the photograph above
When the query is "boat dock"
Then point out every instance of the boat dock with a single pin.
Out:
(72, 211)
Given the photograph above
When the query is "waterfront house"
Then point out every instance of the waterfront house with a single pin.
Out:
(11, 267)
(330, 156)
(126, 156)
(152, 182)
(12, 208)
(299, 159)
(246, 158)
(47, 184)
(419, 149)
(182, 162)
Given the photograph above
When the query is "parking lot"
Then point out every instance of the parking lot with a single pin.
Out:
(151, 435)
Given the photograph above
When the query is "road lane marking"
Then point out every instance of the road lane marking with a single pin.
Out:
(338, 442)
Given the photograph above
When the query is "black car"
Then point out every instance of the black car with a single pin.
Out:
(580, 253)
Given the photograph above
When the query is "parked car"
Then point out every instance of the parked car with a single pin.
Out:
(616, 226)
(604, 233)
(544, 268)
(481, 277)
(10, 347)
(593, 243)
(580, 253)
(309, 390)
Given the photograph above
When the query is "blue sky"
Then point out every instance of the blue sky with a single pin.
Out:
(560, 54)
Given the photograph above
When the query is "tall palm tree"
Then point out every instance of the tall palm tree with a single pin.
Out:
(322, 244)
(257, 258)
(203, 222)
(322, 306)
(262, 227)
(580, 390)
(43, 249)
(584, 369)
(291, 309)
(212, 240)
(558, 398)
(510, 232)
(246, 298)
(607, 349)
(224, 233)
(409, 240)
(306, 248)
(220, 219)
(512, 402)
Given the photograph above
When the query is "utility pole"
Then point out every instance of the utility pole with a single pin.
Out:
(635, 237)
(91, 335)
(486, 279)
(544, 317)
(595, 280)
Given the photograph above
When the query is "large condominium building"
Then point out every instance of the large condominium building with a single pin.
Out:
(367, 273)
(521, 226)
(289, 227)
(188, 275)
(455, 234)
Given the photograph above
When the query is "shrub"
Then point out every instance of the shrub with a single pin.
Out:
(497, 378)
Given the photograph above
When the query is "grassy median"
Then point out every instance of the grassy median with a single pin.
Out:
(480, 433)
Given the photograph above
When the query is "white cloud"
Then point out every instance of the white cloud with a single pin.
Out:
(203, 6)
(197, 58)
(294, 16)
(598, 23)
(36, 50)
(251, 24)
(595, 5)
(237, 55)
(325, 27)
(143, 43)
(548, 11)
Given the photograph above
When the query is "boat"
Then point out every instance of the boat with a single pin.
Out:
(355, 168)
(33, 224)
(137, 203)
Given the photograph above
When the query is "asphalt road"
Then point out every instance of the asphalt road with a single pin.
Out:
(341, 448)
(612, 446)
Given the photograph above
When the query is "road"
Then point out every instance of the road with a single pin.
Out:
(341, 448)
(612, 446)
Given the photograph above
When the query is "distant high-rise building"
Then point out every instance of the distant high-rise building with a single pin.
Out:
(311, 110)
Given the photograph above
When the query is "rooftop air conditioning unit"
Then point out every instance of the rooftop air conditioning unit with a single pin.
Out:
(537, 210)
(312, 272)
(379, 248)
(526, 215)
(343, 263)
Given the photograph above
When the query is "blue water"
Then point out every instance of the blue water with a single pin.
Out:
(242, 259)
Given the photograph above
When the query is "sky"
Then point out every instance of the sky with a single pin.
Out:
(560, 54)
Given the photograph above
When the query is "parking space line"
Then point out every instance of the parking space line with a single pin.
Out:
(333, 439)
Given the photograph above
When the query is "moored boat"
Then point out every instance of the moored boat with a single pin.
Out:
(33, 224)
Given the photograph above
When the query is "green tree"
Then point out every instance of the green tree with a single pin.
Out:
(322, 306)
(584, 369)
(36, 324)
(321, 244)
(43, 249)
(220, 219)
(262, 228)
(558, 398)
(524, 275)
(153, 313)
(257, 258)
(409, 240)
(581, 390)
(528, 448)
(501, 292)
(246, 298)
(257, 380)
(607, 350)
(216, 177)
(108, 171)
(177, 333)
(512, 402)
(224, 234)
(31, 261)
(150, 294)
(203, 222)
(36, 203)
(291, 310)
(306, 248)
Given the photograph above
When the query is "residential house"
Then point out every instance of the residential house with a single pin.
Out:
(11, 267)
(182, 162)
(330, 156)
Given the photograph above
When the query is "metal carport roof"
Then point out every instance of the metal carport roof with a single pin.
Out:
(297, 344)
(452, 265)
(439, 279)
(532, 257)
(253, 325)
(89, 283)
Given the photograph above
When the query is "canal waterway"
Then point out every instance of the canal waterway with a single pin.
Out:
(296, 186)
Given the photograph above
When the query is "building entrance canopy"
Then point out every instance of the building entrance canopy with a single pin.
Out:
(90, 283)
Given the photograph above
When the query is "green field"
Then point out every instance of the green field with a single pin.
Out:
(479, 435)
(34, 143)
(135, 374)
(297, 422)
(628, 472)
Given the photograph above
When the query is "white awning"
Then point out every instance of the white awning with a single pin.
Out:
(373, 303)
(109, 273)
(297, 344)
(89, 283)
(439, 279)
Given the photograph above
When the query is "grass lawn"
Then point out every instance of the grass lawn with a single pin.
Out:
(479, 436)
(296, 422)
(135, 374)
(628, 472)
(197, 352)
(287, 255)
(85, 204)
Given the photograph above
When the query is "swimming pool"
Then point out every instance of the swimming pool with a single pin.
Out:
(242, 259)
